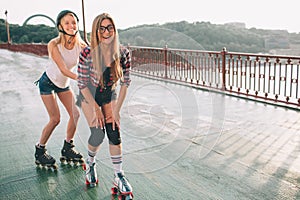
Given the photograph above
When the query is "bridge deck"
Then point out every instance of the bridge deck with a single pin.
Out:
(179, 143)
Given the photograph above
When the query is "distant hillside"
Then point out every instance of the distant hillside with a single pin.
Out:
(207, 36)
(198, 35)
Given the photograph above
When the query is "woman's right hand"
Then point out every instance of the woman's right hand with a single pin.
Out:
(99, 118)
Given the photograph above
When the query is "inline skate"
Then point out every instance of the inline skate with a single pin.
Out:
(69, 154)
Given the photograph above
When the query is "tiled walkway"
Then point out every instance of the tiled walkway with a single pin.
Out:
(179, 143)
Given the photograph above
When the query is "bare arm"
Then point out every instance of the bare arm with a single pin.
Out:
(57, 58)
(121, 97)
(117, 109)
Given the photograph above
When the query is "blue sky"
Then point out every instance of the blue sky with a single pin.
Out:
(266, 14)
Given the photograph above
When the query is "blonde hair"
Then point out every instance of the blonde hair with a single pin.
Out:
(97, 53)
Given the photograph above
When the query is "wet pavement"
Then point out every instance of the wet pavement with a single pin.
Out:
(178, 142)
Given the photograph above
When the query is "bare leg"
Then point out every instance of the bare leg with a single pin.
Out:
(108, 113)
(116, 154)
(54, 117)
(68, 100)
(89, 116)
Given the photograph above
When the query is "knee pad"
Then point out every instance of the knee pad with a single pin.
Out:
(96, 137)
(113, 135)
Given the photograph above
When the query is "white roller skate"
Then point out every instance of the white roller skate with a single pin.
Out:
(122, 187)
(91, 179)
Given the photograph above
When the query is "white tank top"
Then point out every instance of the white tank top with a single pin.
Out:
(71, 58)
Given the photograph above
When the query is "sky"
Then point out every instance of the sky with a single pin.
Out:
(261, 14)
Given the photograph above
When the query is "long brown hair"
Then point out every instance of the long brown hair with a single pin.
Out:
(97, 52)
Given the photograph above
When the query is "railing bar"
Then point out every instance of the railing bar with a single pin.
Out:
(254, 82)
(279, 92)
(258, 75)
(298, 80)
(275, 78)
(269, 76)
(242, 76)
(291, 88)
(264, 78)
(250, 66)
(246, 64)
(217, 73)
(285, 80)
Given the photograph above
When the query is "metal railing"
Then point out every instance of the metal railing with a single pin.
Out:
(270, 78)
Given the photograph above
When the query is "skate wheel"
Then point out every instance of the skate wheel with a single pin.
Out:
(92, 185)
(129, 197)
(126, 197)
(38, 164)
(81, 162)
(89, 184)
(114, 190)
(55, 167)
(84, 167)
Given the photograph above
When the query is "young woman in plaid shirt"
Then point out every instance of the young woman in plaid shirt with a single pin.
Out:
(101, 66)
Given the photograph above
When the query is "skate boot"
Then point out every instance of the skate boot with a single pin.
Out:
(91, 179)
(122, 187)
(42, 158)
(69, 154)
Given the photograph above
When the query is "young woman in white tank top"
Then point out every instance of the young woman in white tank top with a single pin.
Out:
(63, 54)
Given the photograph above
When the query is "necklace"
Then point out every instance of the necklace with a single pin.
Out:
(70, 40)
(69, 45)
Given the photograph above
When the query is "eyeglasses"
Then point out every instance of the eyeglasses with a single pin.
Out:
(109, 28)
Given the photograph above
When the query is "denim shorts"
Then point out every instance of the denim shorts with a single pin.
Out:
(47, 87)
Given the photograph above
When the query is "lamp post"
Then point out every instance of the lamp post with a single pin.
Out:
(7, 29)
(83, 19)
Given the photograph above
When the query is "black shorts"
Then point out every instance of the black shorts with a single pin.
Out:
(101, 97)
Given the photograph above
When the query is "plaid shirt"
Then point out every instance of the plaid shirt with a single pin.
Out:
(86, 73)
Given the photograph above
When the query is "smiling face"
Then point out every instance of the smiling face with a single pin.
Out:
(106, 31)
(69, 24)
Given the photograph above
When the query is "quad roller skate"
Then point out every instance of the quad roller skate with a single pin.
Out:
(91, 179)
(122, 188)
(69, 154)
(42, 158)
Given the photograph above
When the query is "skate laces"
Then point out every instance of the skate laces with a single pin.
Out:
(91, 167)
(71, 150)
(47, 156)
(91, 171)
(123, 180)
